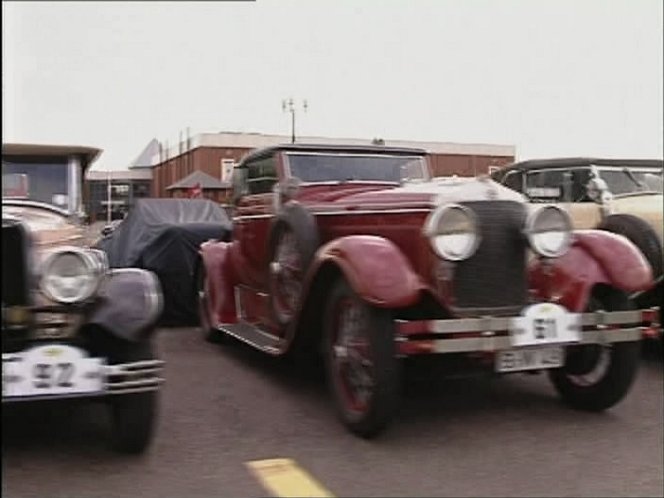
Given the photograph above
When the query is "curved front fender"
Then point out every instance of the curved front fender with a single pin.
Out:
(375, 268)
(596, 257)
(130, 303)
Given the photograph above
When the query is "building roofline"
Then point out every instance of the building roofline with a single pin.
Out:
(205, 181)
(90, 154)
(259, 140)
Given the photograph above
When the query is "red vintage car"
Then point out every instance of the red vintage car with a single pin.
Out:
(358, 255)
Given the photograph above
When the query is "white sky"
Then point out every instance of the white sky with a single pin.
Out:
(552, 77)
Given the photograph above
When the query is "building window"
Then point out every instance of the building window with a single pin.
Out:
(120, 189)
(227, 166)
(141, 190)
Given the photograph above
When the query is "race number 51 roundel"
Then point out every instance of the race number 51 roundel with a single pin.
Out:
(545, 323)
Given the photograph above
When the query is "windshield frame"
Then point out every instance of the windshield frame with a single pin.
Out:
(288, 173)
(73, 181)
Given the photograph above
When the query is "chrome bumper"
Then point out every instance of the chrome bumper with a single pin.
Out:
(490, 334)
(137, 377)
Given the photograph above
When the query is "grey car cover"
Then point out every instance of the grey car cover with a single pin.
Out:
(163, 235)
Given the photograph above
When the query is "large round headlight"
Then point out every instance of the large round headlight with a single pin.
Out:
(70, 275)
(453, 232)
(549, 231)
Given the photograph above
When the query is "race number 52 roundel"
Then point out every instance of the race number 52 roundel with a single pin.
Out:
(545, 323)
(51, 370)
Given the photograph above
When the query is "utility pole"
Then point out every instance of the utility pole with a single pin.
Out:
(288, 105)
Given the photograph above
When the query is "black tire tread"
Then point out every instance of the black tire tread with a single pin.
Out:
(134, 415)
(621, 373)
(638, 232)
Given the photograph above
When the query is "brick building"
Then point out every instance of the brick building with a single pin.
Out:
(216, 153)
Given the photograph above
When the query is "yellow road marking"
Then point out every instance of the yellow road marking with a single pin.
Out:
(285, 478)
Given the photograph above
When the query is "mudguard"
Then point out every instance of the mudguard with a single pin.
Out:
(595, 257)
(130, 303)
(374, 267)
(216, 257)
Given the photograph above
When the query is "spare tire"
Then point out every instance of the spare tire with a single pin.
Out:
(640, 233)
(294, 239)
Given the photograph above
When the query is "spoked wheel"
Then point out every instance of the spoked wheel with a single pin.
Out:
(210, 332)
(294, 239)
(597, 376)
(364, 374)
(286, 274)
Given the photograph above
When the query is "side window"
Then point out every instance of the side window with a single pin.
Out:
(261, 175)
(546, 185)
(227, 166)
(513, 180)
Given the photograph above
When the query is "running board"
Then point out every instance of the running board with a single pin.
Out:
(254, 336)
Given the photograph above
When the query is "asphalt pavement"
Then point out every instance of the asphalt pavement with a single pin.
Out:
(226, 406)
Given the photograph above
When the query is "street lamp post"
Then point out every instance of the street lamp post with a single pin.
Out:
(288, 105)
(108, 196)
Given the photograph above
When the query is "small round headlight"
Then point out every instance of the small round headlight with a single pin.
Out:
(70, 275)
(549, 231)
(453, 232)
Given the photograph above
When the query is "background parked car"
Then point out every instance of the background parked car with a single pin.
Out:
(70, 326)
(623, 196)
(163, 236)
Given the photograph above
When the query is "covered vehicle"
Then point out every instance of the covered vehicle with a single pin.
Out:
(356, 254)
(72, 328)
(163, 236)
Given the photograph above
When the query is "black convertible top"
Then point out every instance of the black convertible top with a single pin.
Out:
(163, 235)
(566, 162)
(300, 147)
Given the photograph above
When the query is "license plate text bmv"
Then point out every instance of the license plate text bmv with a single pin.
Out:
(515, 360)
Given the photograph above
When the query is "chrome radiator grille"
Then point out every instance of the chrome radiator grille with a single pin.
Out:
(15, 269)
(495, 276)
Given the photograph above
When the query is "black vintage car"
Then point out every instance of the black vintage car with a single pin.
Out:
(71, 327)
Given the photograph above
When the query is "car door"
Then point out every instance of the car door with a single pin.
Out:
(253, 218)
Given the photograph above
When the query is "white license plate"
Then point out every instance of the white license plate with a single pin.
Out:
(545, 323)
(516, 360)
(51, 370)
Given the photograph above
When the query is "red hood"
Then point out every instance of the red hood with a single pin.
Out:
(410, 195)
